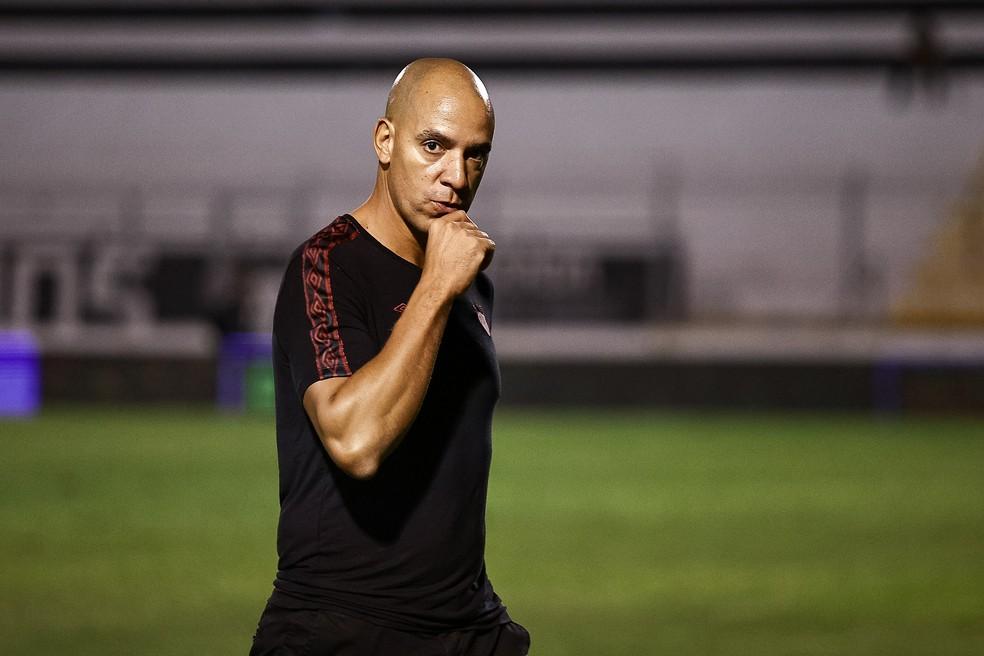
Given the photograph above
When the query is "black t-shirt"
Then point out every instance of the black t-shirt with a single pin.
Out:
(405, 548)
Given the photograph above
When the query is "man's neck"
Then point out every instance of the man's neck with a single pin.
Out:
(380, 219)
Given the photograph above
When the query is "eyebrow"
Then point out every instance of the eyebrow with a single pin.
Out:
(428, 134)
(436, 135)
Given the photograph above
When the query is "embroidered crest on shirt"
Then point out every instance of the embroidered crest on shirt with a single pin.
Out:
(481, 318)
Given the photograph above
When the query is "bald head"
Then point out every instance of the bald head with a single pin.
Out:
(432, 145)
(424, 80)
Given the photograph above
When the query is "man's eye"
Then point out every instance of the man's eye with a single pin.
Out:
(432, 146)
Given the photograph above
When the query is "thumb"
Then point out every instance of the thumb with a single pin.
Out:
(458, 216)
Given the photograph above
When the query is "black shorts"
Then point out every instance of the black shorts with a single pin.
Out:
(308, 632)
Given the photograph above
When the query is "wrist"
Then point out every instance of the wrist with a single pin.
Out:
(435, 289)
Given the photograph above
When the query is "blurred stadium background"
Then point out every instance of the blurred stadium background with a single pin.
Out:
(739, 312)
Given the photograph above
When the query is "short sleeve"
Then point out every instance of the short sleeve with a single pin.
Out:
(320, 324)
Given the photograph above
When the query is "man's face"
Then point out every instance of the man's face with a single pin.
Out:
(440, 148)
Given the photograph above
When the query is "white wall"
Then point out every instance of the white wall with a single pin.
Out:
(759, 160)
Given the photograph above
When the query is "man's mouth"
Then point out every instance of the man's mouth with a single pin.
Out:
(445, 208)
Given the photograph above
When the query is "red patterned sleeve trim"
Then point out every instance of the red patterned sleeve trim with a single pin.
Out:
(329, 351)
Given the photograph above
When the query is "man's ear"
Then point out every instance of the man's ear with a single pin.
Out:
(382, 141)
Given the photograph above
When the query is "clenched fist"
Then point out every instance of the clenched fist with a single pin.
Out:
(456, 251)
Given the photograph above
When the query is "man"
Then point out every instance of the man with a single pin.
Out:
(386, 379)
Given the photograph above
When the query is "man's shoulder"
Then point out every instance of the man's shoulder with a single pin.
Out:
(314, 268)
(341, 230)
(316, 249)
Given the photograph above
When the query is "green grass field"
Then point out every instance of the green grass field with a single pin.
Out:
(629, 533)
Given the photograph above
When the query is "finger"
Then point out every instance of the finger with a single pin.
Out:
(472, 232)
(458, 219)
(489, 254)
(458, 216)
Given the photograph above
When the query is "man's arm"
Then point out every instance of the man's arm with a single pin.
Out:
(360, 419)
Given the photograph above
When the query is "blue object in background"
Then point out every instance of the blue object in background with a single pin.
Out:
(20, 374)
(245, 375)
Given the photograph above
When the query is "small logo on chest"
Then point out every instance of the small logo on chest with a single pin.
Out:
(481, 318)
(400, 308)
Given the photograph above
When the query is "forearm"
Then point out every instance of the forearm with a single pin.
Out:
(368, 414)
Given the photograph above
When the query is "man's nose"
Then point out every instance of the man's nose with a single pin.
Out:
(454, 174)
